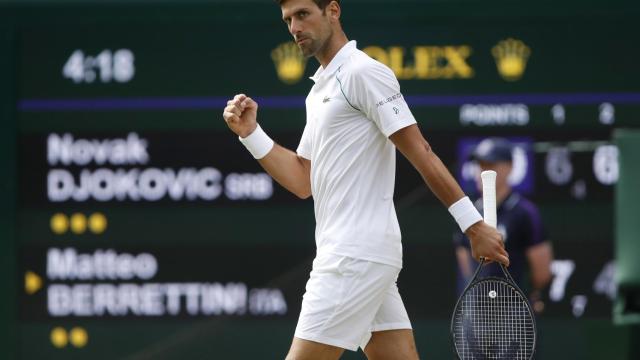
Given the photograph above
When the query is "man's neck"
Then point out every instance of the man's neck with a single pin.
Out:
(332, 47)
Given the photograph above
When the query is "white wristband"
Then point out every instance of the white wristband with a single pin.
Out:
(465, 213)
(258, 143)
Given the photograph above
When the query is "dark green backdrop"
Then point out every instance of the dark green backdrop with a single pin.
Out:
(189, 57)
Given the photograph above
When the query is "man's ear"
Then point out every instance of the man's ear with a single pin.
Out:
(333, 10)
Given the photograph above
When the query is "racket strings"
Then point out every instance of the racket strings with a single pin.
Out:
(493, 321)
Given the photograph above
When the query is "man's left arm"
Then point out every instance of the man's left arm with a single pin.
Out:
(373, 89)
(417, 150)
(485, 241)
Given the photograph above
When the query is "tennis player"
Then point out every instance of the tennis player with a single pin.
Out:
(356, 118)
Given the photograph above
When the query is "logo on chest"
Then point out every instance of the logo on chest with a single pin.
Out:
(326, 99)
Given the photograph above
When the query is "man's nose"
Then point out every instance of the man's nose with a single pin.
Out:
(295, 28)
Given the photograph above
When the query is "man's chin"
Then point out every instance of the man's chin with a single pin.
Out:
(307, 52)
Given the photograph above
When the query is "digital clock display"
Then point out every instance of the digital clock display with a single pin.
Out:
(105, 67)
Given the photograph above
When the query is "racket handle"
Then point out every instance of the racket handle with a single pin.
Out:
(489, 197)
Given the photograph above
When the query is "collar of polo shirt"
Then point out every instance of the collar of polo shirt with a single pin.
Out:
(335, 63)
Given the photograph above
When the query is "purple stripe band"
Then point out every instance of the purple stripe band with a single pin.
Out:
(288, 102)
(156, 103)
(527, 99)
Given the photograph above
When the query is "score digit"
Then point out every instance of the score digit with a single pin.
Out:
(605, 164)
(607, 114)
(74, 67)
(123, 67)
(558, 165)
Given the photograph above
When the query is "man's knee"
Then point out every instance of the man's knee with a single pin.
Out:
(310, 350)
(392, 345)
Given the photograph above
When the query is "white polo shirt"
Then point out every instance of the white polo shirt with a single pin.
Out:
(353, 108)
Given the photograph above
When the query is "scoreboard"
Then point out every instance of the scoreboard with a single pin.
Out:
(141, 228)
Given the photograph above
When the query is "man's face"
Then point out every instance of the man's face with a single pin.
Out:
(309, 25)
(502, 169)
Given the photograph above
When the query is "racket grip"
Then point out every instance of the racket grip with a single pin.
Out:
(489, 197)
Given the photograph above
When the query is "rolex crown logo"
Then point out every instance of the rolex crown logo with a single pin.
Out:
(289, 61)
(511, 57)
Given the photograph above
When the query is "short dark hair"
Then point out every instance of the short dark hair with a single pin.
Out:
(321, 3)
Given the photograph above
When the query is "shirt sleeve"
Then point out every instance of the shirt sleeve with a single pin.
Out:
(374, 90)
(304, 148)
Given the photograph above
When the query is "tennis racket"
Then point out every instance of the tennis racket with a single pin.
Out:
(493, 318)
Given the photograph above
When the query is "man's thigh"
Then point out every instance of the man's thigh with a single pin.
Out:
(392, 345)
(310, 350)
(342, 298)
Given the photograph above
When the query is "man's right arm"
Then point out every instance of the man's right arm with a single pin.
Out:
(289, 169)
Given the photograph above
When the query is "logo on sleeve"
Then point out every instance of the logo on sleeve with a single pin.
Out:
(396, 110)
(389, 99)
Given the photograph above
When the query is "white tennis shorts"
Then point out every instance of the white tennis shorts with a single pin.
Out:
(347, 299)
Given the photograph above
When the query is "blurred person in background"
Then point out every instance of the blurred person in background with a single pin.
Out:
(519, 223)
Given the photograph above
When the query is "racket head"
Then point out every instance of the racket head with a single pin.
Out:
(493, 320)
